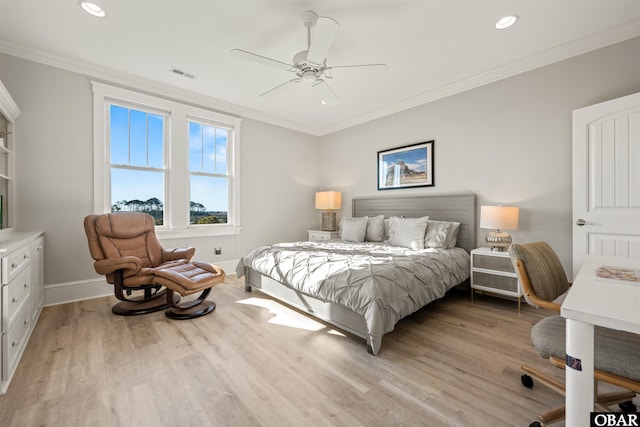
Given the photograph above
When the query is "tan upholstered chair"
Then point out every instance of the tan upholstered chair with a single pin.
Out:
(544, 285)
(146, 276)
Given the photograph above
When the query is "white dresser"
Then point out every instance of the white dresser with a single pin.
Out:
(21, 278)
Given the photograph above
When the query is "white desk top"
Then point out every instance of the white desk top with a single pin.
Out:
(610, 303)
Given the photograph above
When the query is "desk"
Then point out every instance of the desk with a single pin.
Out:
(594, 301)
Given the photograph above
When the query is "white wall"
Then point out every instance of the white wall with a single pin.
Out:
(509, 142)
(54, 183)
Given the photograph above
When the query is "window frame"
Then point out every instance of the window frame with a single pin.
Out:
(230, 132)
(177, 175)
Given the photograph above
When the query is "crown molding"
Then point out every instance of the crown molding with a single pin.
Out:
(113, 76)
(599, 40)
(565, 51)
(8, 107)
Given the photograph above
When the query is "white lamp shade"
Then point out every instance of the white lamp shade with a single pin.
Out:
(328, 200)
(499, 217)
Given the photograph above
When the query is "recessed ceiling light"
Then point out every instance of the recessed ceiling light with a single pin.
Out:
(92, 9)
(506, 22)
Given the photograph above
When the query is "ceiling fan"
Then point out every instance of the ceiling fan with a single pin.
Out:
(311, 65)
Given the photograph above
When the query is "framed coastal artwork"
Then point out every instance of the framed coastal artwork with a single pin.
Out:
(409, 166)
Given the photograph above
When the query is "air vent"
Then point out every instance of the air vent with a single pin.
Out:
(183, 73)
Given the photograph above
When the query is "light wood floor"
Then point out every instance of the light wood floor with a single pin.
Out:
(256, 362)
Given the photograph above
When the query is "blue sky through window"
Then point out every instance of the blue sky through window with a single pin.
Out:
(136, 139)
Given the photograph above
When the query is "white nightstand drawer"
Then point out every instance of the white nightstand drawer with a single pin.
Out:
(495, 282)
(322, 236)
(496, 263)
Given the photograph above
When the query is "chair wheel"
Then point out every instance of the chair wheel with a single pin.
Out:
(527, 381)
(627, 406)
(535, 424)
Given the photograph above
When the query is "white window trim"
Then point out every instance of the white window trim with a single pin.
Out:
(179, 112)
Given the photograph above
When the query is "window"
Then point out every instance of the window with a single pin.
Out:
(176, 162)
(209, 178)
(137, 166)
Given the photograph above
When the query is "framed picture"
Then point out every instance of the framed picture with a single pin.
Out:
(406, 167)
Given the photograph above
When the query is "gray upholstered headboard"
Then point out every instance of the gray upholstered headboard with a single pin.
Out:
(450, 207)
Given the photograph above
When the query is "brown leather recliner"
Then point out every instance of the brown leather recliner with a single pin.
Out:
(126, 251)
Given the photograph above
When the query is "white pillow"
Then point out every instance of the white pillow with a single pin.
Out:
(441, 234)
(386, 228)
(408, 232)
(353, 229)
(453, 235)
(375, 229)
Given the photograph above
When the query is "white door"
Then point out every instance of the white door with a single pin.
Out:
(606, 180)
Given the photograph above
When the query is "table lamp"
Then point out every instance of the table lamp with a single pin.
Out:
(499, 218)
(328, 200)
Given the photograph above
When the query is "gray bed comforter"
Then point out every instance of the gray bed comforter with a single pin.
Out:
(380, 282)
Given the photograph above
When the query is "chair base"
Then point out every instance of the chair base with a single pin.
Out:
(601, 401)
(198, 310)
(143, 304)
(190, 309)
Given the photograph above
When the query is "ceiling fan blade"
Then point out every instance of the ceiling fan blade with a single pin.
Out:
(261, 59)
(355, 69)
(280, 88)
(327, 96)
(323, 35)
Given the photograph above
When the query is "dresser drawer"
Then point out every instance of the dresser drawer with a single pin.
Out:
(14, 296)
(14, 263)
(493, 263)
(13, 342)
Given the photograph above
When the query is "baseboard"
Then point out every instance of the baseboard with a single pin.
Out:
(62, 293)
(229, 267)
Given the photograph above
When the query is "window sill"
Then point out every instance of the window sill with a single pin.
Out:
(198, 232)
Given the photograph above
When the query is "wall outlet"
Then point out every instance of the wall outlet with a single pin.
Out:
(218, 251)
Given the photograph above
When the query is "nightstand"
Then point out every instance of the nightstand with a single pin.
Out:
(322, 236)
(493, 272)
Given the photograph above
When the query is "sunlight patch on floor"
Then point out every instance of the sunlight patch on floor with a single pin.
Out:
(284, 316)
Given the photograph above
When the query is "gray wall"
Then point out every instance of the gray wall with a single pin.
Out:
(54, 182)
(509, 142)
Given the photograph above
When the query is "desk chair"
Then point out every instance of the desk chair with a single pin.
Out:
(544, 285)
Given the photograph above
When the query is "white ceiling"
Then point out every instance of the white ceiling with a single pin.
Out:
(432, 48)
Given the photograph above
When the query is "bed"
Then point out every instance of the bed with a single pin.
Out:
(365, 288)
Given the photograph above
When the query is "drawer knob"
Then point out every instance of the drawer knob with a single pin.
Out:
(14, 299)
(26, 256)
(14, 265)
(39, 248)
(15, 343)
(26, 322)
(26, 286)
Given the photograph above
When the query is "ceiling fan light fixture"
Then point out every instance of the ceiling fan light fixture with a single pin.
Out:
(506, 21)
(92, 9)
(310, 66)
